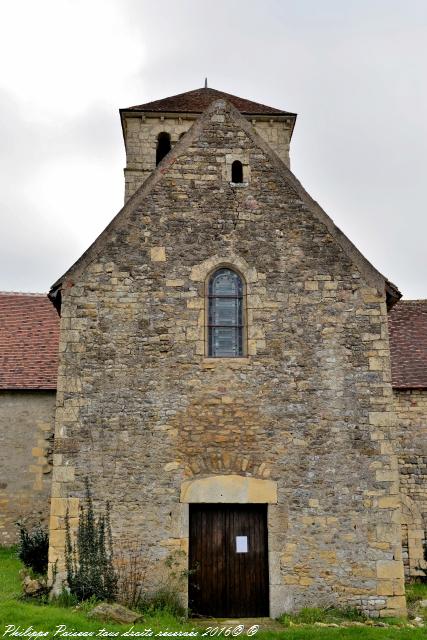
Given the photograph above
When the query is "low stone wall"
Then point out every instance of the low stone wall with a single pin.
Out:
(411, 409)
(26, 436)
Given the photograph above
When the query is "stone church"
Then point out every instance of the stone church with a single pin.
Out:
(226, 379)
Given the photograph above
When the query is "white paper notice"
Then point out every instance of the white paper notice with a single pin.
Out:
(241, 544)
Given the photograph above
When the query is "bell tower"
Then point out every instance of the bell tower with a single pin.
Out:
(150, 130)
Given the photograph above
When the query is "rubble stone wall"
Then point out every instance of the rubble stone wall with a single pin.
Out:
(26, 436)
(411, 410)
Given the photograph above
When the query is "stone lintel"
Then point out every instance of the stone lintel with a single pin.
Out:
(229, 489)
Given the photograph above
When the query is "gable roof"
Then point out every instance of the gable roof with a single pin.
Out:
(29, 336)
(408, 344)
(371, 275)
(198, 100)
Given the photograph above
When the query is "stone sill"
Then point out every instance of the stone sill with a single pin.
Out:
(233, 363)
(239, 185)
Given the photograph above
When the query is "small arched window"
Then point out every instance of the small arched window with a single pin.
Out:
(237, 172)
(163, 146)
(225, 314)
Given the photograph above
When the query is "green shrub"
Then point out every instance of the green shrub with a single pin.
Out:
(310, 615)
(89, 563)
(416, 590)
(163, 600)
(64, 599)
(33, 547)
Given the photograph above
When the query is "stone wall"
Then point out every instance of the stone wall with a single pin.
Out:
(141, 141)
(309, 407)
(411, 409)
(26, 436)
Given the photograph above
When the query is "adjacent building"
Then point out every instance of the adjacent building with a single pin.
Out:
(29, 331)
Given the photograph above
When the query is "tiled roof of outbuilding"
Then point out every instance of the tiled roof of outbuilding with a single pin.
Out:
(29, 336)
(198, 100)
(408, 344)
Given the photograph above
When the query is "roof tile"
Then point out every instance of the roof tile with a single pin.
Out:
(408, 344)
(29, 337)
(198, 100)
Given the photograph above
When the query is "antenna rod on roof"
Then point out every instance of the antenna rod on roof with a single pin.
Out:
(206, 83)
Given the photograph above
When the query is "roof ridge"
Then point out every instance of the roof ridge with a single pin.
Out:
(414, 301)
(22, 293)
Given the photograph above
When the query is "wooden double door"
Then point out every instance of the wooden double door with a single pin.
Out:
(228, 560)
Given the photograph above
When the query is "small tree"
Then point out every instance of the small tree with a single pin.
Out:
(89, 562)
(33, 547)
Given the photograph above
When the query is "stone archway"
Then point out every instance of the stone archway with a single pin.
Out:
(413, 538)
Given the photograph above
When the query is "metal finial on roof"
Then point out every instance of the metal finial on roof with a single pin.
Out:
(206, 83)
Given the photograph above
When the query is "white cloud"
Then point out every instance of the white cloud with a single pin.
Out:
(64, 54)
(354, 71)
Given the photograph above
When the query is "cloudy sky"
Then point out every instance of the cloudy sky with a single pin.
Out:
(354, 71)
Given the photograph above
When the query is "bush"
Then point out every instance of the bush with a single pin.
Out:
(131, 572)
(165, 600)
(89, 563)
(33, 547)
(64, 599)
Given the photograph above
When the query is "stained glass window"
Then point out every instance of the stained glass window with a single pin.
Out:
(225, 314)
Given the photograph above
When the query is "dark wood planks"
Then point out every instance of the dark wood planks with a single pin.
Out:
(224, 583)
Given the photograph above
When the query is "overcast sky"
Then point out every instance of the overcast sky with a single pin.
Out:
(354, 71)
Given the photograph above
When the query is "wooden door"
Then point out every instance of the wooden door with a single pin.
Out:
(228, 560)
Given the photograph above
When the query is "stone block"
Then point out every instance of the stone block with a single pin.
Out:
(389, 502)
(382, 419)
(59, 506)
(399, 587)
(311, 285)
(385, 475)
(385, 588)
(172, 466)
(57, 539)
(389, 569)
(397, 603)
(158, 254)
(63, 474)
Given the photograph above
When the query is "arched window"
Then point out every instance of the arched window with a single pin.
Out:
(225, 314)
(163, 146)
(237, 172)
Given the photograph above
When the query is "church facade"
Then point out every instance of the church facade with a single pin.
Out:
(225, 377)
(224, 345)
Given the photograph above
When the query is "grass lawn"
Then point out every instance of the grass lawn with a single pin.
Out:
(47, 618)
